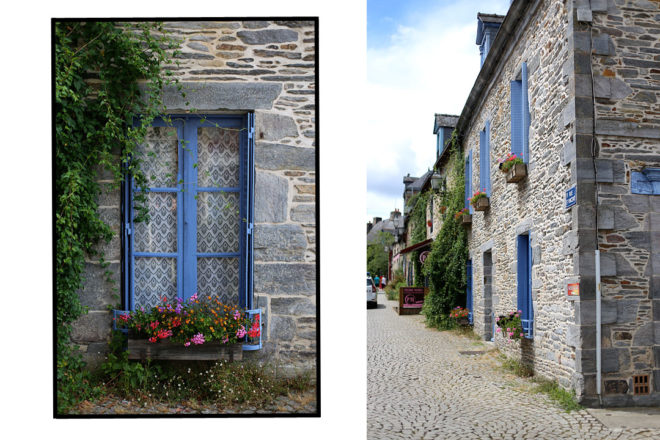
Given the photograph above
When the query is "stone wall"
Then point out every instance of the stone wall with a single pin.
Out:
(534, 206)
(267, 67)
(624, 61)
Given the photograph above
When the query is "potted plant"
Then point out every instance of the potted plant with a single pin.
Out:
(443, 209)
(510, 325)
(479, 200)
(463, 216)
(200, 329)
(514, 168)
(460, 316)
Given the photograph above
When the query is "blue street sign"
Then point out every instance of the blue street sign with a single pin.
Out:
(571, 197)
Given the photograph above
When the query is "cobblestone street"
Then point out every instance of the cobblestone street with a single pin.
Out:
(421, 387)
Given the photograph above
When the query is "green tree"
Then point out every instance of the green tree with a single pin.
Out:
(377, 253)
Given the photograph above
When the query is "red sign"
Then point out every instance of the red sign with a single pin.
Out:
(573, 290)
(422, 256)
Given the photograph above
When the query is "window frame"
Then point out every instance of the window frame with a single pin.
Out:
(525, 301)
(186, 250)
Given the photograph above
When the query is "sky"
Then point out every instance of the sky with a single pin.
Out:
(422, 59)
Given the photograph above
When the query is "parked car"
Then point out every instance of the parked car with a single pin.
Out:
(372, 293)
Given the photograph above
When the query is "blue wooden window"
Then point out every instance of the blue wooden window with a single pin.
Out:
(469, 302)
(468, 181)
(646, 181)
(200, 173)
(484, 159)
(520, 118)
(525, 285)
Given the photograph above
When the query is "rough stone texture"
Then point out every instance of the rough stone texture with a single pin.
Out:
(284, 157)
(273, 127)
(266, 67)
(270, 198)
(285, 242)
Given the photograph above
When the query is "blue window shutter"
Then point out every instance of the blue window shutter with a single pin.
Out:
(248, 203)
(469, 300)
(189, 192)
(530, 304)
(516, 118)
(525, 115)
(484, 161)
(468, 181)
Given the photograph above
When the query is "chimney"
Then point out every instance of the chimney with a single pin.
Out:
(394, 214)
(377, 220)
(408, 180)
(369, 226)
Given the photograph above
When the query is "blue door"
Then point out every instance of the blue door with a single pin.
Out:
(469, 300)
(525, 285)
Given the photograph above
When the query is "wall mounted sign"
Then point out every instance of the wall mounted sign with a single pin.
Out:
(573, 290)
(571, 197)
(422, 256)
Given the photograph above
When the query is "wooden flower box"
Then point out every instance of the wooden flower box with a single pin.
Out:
(517, 173)
(466, 219)
(482, 204)
(209, 351)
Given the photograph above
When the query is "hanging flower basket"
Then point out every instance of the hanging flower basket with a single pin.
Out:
(517, 173)
(443, 209)
(429, 223)
(463, 217)
(479, 201)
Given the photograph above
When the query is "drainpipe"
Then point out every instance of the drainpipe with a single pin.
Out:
(598, 330)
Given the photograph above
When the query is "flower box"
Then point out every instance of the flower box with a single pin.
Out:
(209, 351)
(466, 219)
(517, 173)
(481, 204)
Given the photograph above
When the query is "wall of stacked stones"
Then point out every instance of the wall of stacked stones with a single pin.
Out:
(534, 205)
(626, 76)
(267, 67)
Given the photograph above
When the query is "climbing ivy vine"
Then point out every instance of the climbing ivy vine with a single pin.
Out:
(98, 69)
(418, 233)
(446, 263)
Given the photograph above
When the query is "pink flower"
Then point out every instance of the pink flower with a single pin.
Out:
(498, 330)
(510, 334)
(198, 339)
(186, 344)
(240, 332)
(153, 325)
(521, 335)
(194, 297)
(237, 315)
(153, 339)
(508, 329)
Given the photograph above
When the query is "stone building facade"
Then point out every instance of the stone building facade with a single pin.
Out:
(265, 68)
(592, 74)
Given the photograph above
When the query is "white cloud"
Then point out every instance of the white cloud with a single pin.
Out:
(427, 69)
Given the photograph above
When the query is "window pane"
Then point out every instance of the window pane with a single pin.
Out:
(217, 157)
(155, 277)
(160, 157)
(218, 277)
(159, 234)
(218, 220)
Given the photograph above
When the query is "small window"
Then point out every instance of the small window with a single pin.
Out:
(520, 117)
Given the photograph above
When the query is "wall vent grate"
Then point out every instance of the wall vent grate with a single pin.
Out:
(641, 384)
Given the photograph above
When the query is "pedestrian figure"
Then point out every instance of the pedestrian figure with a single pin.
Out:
(376, 280)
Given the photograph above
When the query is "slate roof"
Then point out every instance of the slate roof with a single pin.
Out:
(444, 121)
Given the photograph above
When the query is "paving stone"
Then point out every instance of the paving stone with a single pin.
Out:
(420, 386)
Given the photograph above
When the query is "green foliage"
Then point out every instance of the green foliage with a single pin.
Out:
(377, 256)
(392, 288)
(418, 233)
(446, 264)
(97, 69)
(565, 399)
(516, 367)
